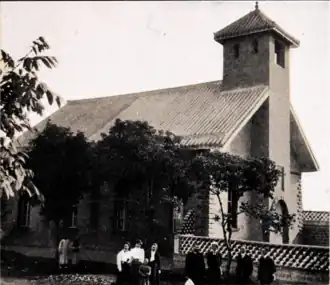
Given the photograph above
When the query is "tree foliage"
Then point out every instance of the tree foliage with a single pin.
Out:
(61, 162)
(225, 173)
(147, 170)
(21, 93)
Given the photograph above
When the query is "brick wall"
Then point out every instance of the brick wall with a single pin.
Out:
(283, 274)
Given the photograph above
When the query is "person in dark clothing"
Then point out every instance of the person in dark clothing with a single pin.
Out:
(195, 266)
(244, 267)
(153, 258)
(214, 261)
(266, 269)
(75, 247)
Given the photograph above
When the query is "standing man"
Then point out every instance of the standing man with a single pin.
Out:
(153, 258)
(75, 247)
(214, 261)
(195, 266)
(266, 269)
(244, 267)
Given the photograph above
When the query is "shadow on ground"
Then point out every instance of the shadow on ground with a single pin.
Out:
(18, 269)
(21, 270)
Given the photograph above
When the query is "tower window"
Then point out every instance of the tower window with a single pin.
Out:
(255, 46)
(236, 50)
(282, 177)
(279, 54)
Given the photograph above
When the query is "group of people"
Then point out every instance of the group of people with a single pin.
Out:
(198, 274)
(68, 251)
(134, 264)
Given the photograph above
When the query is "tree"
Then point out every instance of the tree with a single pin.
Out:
(147, 169)
(61, 162)
(219, 173)
(21, 93)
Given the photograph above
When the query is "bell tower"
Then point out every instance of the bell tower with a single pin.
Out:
(255, 51)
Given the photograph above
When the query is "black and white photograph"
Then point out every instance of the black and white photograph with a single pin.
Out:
(164, 142)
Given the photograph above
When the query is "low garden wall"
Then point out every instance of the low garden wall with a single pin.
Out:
(311, 260)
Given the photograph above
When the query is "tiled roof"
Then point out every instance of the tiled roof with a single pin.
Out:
(316, 216)
(252, 23)
(88, 115)
(293, 256)
(201, 114)
(315, 234)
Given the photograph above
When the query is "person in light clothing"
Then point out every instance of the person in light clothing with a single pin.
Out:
(138, 258)
(137, 253)
(63, 250)
(189, 282)
(123, 265)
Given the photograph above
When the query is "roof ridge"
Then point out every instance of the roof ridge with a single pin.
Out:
(148, 92)
(239, 89)
(253, 22)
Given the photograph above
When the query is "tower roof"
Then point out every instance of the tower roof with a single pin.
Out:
(253, 23)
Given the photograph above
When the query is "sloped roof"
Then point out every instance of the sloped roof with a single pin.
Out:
(253, 23)
(314, 258)
(201, 114)
(300, 145)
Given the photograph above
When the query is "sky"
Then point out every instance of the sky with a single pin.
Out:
(111, 48)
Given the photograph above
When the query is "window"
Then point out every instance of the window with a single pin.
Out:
(232, 207)
(178, 216)
(281, 177)
(121, 217)
(279, 54)
(74, 217)
(255, 46)
(94, 209)
(94, 214)
(24, 212)
(236, 50)
(281, 169)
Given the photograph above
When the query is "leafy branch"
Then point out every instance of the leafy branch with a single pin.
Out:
(21, 93)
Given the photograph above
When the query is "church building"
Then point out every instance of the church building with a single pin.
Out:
(247, 113)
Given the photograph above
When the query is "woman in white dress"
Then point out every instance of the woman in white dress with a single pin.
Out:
(123, 265)
(63, 250)
(138, 258)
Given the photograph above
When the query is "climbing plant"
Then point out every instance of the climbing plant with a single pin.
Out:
(229, 178)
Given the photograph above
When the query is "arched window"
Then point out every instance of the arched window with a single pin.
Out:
(24, 211)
